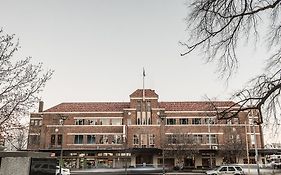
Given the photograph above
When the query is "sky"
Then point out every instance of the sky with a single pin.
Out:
(98, 49)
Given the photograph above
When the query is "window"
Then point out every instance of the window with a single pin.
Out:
(143, 117)
(209, 121)
(172, 139)
(104, 122)
(151, 140)
(138, 105)
(148, 106)
(31, 122)
(236, 120)
(129, 122)
(53, 139)
(143, 140)
(78, 139)
(149, 121)
(136, 140)
(230, 168)
(117, 139)
(138, 118)
(60, 139)
(183, 121)
(171, 121)
(117, 121)
(212, 139)
(223, 169)
(79, 122)
(103, 139)
(196, 121)
(91, 139)
(198, 138)
(93, 122)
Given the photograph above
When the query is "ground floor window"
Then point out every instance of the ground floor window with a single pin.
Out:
(208, 160)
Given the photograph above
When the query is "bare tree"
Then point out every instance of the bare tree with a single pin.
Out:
(233, 147)
(20, 83)
(18, 138)
(219, 26)
(180, 146)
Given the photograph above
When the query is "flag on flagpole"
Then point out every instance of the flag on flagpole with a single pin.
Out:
(143, 72)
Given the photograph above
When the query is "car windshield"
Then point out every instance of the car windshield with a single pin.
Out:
(238, 168)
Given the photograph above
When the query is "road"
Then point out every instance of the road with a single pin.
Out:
(153, 171)
(140, 171)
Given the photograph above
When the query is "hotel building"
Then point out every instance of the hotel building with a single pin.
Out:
(144, 132)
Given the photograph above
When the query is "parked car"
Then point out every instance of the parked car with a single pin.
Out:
(226, 169)
(48, 169)
(64, 171)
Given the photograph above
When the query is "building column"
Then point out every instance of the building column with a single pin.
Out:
(155, 158)
(198, 160)
(133, 160)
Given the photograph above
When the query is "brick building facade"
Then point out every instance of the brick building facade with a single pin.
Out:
(139, 132)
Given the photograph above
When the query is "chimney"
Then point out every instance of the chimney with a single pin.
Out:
(41, 105)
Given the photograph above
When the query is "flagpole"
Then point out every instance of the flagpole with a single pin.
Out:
(143, 90)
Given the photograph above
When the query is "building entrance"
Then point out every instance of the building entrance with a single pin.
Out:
(143, 160)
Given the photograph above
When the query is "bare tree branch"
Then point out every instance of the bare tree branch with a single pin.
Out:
(20, 83)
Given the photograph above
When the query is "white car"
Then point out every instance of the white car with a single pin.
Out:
(64, 171)
(226, 169)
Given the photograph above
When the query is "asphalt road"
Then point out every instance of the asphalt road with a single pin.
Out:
(142, 171)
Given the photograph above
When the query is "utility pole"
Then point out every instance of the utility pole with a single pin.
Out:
(61, 122)
(210, 142)
(162, 137)
(247, 148)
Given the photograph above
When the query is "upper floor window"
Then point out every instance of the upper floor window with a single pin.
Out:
(196, 121)
(151, 139)
(53, 139)
(171, 121)
(104, 121)
(212, 139)
(198, 138)
(183, 121)
(79, 122)
(78, 139)
(143, 140)
(117, 139)
(35, 122)
(93, 122)
(91, 139)
(117, 121)
(148, 106)
(172, 139)
(103, 139)
(138, 105)
(59, 139)
(136, 140)
(209, 121)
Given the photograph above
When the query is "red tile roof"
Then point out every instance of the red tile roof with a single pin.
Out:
(90, 107)
(119, 106)
(194, 105)
(147, 92)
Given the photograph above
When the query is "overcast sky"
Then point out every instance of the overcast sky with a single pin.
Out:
(98, 49)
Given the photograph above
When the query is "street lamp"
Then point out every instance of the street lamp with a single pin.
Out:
(61, 122)
(162, 116)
